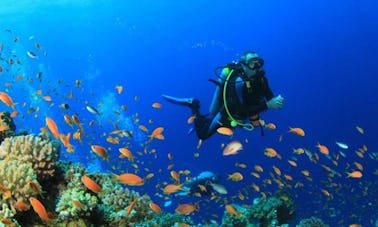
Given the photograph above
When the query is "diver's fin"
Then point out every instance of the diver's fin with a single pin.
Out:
(192, 103)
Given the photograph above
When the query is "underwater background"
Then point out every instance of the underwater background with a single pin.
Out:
(321, 56)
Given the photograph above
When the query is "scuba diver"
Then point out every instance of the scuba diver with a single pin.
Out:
(204, 185)
(242, 93)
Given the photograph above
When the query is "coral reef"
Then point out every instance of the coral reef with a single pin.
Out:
(272, 211)
(74, 201)
(116, 199)
(6, 216)
(41, 153)
(167, 220)
(6, 121)
(311, 222)
(18, 181)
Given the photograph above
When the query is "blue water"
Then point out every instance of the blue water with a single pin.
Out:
(320, 56)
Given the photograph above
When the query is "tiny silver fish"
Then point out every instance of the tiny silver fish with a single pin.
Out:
(92, 110)
(342, 145)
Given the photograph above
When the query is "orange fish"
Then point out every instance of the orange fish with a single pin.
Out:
(187, 209)
(172, 188)
(78, 204)
(231, 210)
(6, 99)
(19, 205)
(126, 153)
(143, 128)
(323, 149)
(235, 176)
(65, 139)
(3, 128)
(232, 148)
(270, 126)
(156, 105)
(355, 174)
(91, 184)
(119, 89)
(297, 131)
(39, 209)
(175, 176)
(155, 207)
(100, 151)
(258, 168)
(52, 126)
(225, 131)
(131, 206)
(47, 98)
(76, 120)
(129, 179)
(270, 152)
(157, 131)
(191, 119)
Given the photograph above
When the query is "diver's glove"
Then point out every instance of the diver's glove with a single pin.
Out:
(276, 102)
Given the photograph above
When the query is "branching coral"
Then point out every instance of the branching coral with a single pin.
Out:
(18, 181)
(39, 152)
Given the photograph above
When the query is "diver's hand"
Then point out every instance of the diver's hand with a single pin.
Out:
(276, 102)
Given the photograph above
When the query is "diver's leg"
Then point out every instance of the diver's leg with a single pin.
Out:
(206, 126)
(192, 103)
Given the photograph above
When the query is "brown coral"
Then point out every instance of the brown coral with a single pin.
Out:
(41, 153)
(18, 181)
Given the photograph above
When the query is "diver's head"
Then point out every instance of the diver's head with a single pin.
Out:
(252, 62)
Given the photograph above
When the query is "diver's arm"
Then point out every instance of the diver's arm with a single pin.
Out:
(215, 103)
(214, 107)
(268, 94)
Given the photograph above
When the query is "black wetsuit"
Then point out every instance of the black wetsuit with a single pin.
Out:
(242, 103)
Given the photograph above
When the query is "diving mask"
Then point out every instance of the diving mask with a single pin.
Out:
(254, 63)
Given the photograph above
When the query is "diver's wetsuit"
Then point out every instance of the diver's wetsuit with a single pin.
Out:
(241, 101)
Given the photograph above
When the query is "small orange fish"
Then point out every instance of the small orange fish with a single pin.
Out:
(155, 207)
(191, 119)
(143, 128)
(231, 210)
(157, 131)
(156, 105)
(47, 98)
(187, 209)
(323, 149)
(100, 151)
(172, 188)
(6, 99)
(258, 168)
(39, 209)
(126, 153)
(235, 176)
(355, 174)
(52, 127)
(270, 126)
(3, 128)
(297, 131)
(129, 179)
(19, 205)
(65, 139)
(78, 204)
(277, 170)
(119, 89)
(232, 148)
(225, 131)
(175, 176)
(270, 152)
(131, 206)
(91, 184)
